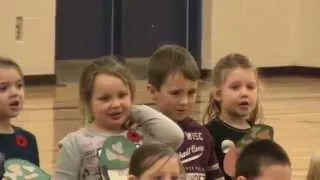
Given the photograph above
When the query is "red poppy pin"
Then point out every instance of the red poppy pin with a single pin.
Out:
(134, 136)
(21, 141)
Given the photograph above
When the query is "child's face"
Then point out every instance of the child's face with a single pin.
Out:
(238, 93)
(110, 102)
(275, 172)
(176, 96)
(11, 93)
(164, 169)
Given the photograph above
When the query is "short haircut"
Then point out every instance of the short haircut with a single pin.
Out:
(259, 154)
(171, 59)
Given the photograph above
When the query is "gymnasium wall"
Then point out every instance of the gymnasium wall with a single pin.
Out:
(272, 33)
(34, 48)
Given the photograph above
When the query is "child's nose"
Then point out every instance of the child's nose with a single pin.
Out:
(184, 100)
(115, 102)
(14, 91)
(244, 92)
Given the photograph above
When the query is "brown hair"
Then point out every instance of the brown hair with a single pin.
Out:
(106, 65)
(219, 73)
(169, 59)
(147, 155)
(314, 167)
(9, 63)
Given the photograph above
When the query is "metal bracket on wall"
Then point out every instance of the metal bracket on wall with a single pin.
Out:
(19, 28)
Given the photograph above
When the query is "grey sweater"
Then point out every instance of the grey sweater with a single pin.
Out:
(78, 155)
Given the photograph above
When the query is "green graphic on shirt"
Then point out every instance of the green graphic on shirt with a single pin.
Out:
(256, 132)
(116, 152)
(21, 169)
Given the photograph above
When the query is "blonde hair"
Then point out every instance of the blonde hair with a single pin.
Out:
(147, 155)
(106, 65)
(223, 67)
(314, 167)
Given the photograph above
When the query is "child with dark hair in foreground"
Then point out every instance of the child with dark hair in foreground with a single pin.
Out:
(263, 160)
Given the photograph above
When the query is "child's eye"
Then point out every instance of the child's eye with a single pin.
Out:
(173, 177)
(175, 93)
(20, 85)
(123, 94)
(235, 87)
(192, 92)
(3, 88)
(105, 98)
(157, 178)
(251, 86)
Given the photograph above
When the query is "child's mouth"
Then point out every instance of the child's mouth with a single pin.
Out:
(181, 111)
(14, 105)
(244, 104)
(116, 115)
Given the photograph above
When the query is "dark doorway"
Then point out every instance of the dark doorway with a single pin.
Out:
(148, 24)
(83, 28)
(125, 28)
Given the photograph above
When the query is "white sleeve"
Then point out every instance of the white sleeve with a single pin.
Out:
(68, 160)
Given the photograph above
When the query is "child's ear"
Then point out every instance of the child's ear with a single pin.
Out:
(132, 177)
(216, 93)
(152, 90)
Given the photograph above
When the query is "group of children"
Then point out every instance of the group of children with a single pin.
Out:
(121, 140)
